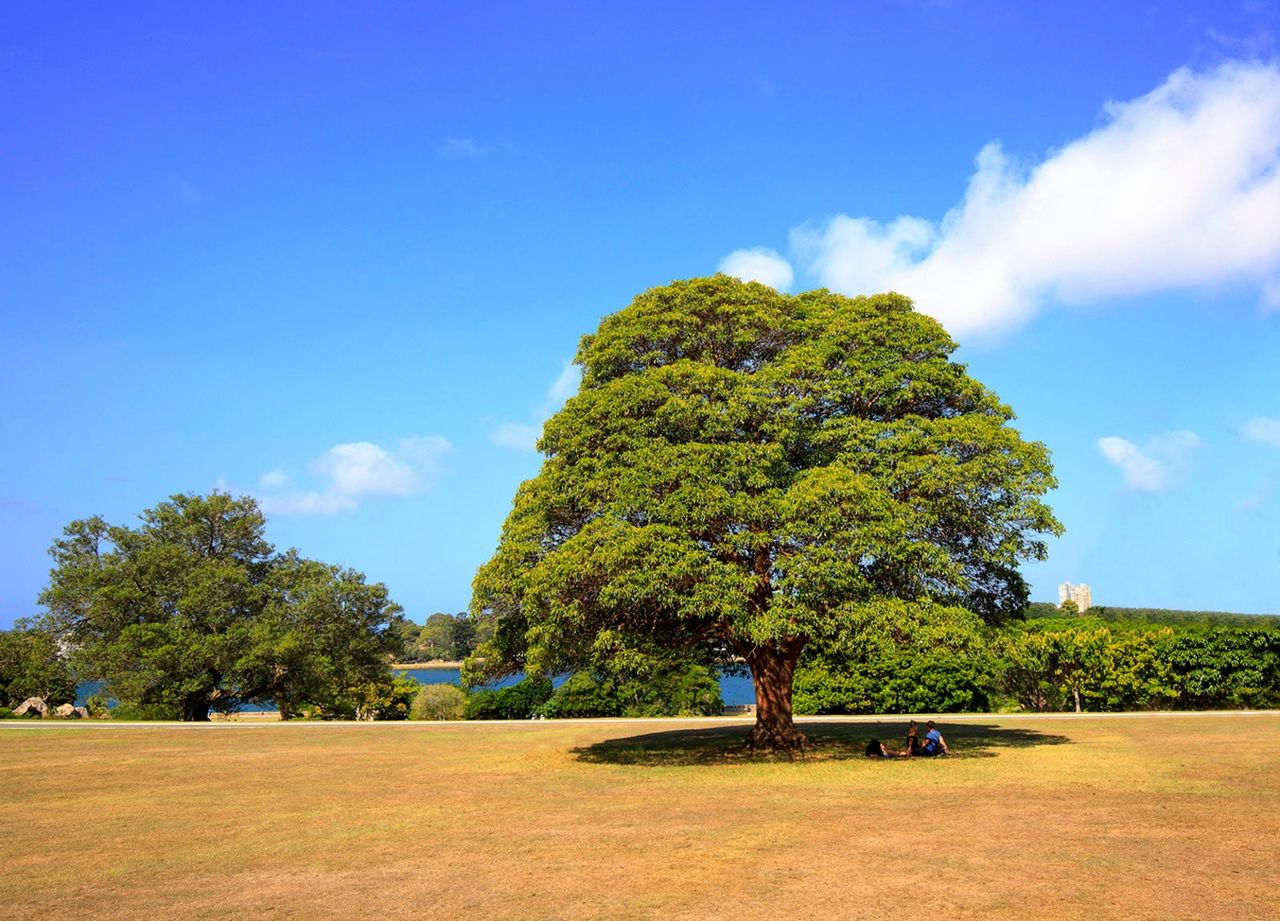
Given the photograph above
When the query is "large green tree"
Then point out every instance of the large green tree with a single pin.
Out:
(194, 611)
(744, 472)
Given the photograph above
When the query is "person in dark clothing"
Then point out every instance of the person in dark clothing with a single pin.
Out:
(876, 749)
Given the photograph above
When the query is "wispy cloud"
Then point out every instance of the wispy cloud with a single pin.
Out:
(1157, 466)
(1177, 189)
(463, 149)
(348, 473)
(523, 436)
(1262, 430)
(759, 264)
(1260, 495)
(519, 436)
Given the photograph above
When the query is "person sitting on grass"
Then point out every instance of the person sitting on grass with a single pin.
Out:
(876, 749)
(913, 744)
(934, 743)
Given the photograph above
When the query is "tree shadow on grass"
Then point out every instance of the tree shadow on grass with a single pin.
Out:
(723, 745)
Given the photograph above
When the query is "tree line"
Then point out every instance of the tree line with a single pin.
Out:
(1044, 664)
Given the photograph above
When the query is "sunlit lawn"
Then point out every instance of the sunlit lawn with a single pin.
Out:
(1148, 817)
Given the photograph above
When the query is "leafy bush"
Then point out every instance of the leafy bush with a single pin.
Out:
(584, 695)
(5, 713)
(671, 690)
(135, 711)
(901, 658)
(518, 702)
(98, 706)
(1224, 667)
(439, 702)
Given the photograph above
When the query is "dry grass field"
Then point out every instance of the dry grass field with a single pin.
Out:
(1158, 817)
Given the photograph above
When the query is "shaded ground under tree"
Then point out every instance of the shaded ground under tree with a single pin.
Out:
(833, 741)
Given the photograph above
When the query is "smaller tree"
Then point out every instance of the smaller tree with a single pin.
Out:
(31, 665)
(1079, 660)
(193, 611)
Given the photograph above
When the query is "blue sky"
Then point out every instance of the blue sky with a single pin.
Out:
(339, 256)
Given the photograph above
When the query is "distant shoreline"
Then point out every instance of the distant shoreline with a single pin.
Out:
(434, 663)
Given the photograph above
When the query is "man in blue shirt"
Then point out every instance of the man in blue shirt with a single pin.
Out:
(934, 743)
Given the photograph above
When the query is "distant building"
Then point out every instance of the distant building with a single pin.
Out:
(1080, 594)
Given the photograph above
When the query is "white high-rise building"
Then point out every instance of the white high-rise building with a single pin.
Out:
(1080, 594)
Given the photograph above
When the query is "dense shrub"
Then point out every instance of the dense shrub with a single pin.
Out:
(692, 692)
(135, 711)
(98, 706)
(1222, 667)
(396, 702)
(903, 658)
(518, 702)
(670, 690)
(583, 695)
(439, 702)
(1051, 663)
(5, 713)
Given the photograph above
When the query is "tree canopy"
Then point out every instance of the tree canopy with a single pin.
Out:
(744, 472)
(195, 611)
(31, 665)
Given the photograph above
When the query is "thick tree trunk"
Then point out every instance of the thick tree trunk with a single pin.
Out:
(772, 669)
(194, 709)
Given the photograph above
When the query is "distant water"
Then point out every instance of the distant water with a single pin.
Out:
(735, 690)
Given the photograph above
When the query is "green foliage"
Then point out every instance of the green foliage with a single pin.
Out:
(389, 700)
(920, 659)
(6, 713)
(439, 702)
(900, 658)
(322, 644)
(583, 695)
(1138, 666)
(520, 701)
(1117, 615)
(450, 637)
(691, 690)
(32, 666)
(126, 710)
(98, 706)
(193, 611)
(745, 472)
(406, 633)
(1222, 667)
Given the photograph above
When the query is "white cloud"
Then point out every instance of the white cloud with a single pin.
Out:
(523, 436)
(1177, 189)
(564, 386)
(462, 149)
(518, 435)
(307, 504)
(273, 480)
(1263, 430)
(759, 264)
(350, 472)
(1158, 466)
